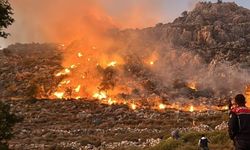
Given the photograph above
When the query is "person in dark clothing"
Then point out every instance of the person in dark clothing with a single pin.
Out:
(203, 143)
(175, 134)
(239, 123)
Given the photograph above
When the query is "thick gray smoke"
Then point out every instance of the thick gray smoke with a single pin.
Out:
(221, 77)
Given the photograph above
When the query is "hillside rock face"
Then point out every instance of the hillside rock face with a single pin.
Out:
(214, 30)
(25, 67)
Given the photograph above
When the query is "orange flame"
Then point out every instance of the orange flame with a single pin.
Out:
(100, 95)
(59, 95)
(111, 101)
(162, 106)
(113, 63)
(191, 109)
(79, 54)
(64, 72)
(77, 89)
(133, 106)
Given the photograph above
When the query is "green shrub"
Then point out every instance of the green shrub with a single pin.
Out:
(219, 140)
(169, 144)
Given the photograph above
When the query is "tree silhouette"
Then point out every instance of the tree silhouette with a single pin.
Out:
(5, 17)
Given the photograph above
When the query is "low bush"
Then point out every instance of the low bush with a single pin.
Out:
(219, 140)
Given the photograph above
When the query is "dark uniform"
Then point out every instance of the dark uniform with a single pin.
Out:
(239, 127)
(203, 144)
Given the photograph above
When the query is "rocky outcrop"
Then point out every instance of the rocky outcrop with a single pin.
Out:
(211, 29)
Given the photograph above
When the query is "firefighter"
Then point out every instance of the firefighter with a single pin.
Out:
(239, 123)
(203, 143)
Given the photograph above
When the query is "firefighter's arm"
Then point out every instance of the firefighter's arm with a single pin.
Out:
(233, 127)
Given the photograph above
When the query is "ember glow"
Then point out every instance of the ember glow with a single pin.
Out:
(191, 109)
(100, 95)
(79, 54)
(77, 89)
(59, 94)
(133, 106)
(64, 72)
(113, 63)
(162, 106)
(192, 85)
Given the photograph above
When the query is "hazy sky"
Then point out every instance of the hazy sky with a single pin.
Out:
(44, 20)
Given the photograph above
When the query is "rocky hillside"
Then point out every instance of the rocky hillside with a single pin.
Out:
(215, 30)
(211, 33)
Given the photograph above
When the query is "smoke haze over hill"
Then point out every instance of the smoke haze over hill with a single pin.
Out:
(64, 21)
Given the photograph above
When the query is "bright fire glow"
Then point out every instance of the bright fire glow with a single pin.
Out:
(79, 55)
(162, 106)
(133, 106)
(111, 102)
(77, 89)
(191, 109)
(151, 62)
(101, 95)
(64, 72)
(73, 66)
(113, 63)
(59, 94)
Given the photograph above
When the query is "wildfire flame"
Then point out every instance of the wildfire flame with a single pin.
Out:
(111, 102)
(59, 95)
(78, 97)
(162, 106)
(133, 106)
(113, 63)
(100, 95)
(77, 89)
(64, 72)
(85, 73)
(73, 66)
(191, 109)
(79, 54)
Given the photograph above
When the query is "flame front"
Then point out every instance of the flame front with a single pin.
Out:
(100, 95)
(91, 75)
(162, 106)
(191, 109)
(59, 94)
(133, 106)
(77, 89)
(113, 63)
